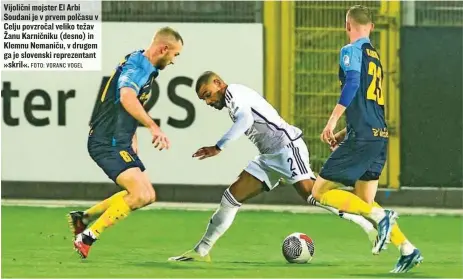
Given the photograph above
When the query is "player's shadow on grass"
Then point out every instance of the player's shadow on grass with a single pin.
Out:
(412, 274)
(281, 264)
(170, 265)
(223, 265)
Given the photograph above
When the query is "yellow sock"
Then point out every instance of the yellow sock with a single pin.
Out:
(117, 211)
(346, 201)
(397, 236)
(102, 206)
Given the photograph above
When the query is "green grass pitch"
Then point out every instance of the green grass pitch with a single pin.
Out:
(36, 242)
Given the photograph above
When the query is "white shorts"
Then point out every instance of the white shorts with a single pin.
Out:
(291, 163)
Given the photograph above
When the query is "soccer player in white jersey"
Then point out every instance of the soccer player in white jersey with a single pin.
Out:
(283, 155)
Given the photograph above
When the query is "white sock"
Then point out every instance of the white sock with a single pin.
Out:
(377, 214)
(366, 225)
(219, 223)
(358, 219)
(406, 248)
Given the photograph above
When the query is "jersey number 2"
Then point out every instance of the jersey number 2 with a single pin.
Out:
(374, 91)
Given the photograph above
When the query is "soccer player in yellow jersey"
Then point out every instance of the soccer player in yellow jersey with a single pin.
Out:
(112, 140)
(360, 157)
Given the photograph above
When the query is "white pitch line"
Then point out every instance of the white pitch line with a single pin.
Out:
(213, 206)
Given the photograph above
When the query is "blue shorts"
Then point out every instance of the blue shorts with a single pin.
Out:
(355, 160)
(113, 160)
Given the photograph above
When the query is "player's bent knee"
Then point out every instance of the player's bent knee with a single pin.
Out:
(140, 190)
(143, 199)
(152, 195)
(137, 199)
(139, 196)
(147, 199)
(149, 188)
(153, 198)
(147, 196)
(133, 200)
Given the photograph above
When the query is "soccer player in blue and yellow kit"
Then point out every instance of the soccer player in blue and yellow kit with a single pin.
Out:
(112, 140)
(360, 157)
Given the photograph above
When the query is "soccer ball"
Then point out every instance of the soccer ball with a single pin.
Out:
(298, 248)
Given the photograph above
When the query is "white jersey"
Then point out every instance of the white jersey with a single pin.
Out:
(258, 120)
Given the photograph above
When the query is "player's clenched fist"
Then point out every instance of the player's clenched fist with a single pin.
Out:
(160, 140)
(206, 152)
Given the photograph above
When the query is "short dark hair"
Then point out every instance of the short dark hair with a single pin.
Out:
(169, 31)
(203, 79)
(360, 14)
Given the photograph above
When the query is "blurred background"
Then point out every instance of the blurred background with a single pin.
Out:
(286, 50)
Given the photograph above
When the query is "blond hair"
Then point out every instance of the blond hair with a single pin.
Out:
(168, 33)
(360, 14)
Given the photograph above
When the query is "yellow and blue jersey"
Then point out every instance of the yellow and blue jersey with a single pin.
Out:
(363, 153)
(110, 122)
(361, 75)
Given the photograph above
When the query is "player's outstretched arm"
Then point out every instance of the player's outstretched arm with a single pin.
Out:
(244, 121)
(133, 106)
